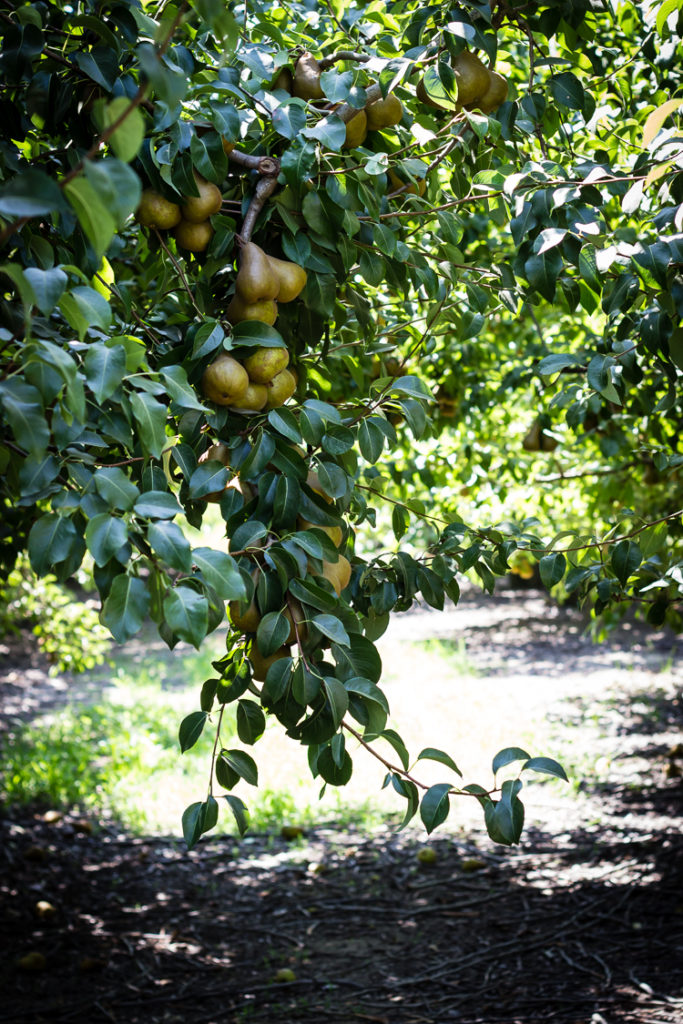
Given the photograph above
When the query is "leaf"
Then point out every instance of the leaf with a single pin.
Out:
(332, 628)
(657, 118)
(150, 417)
(221, 573)
(273, 630)
(435, 805)
(156, 505)
(285, 422)
(168, 541)
(432, 754)
(85, 308)
(125, 608)
(239, 811)
(507, 756)
(251, 722)
(23, 408)
(191, 729)
(242, 764)
(254, 333)
(105, 535)
(114, 486)
(96, 220)
(127, 138)
(337, 698)
(397, 743)
(546, 766)
(105, 367)
(199, 818)
(626, 557)
(50, 542)
(186, 613)
(30, 194)
(552, 568)
(48, 287)
(567, 90)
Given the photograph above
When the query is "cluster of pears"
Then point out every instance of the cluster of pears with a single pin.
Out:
(478, 88)
(189, 221)
(246, 617)
(262, 379)
(383, 113)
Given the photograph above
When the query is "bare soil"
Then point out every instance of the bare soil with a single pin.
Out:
(580, 924)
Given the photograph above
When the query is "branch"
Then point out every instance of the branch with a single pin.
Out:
(327, 62)
(264, 189)
(266, 165)
(346, 111)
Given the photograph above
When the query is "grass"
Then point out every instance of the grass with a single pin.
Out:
(119, 757)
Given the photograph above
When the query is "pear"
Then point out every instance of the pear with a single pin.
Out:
(284, 81)
(495, 94)
(384, 113)
(259, 664)
(307, 78)
(194, 237)
(265, 310)
(313, 481)
(471, 76)
(333, 532)
(227, 145)
(410, 188)
(224, 380)
(294, 613)
(247, 621)
(257, 278)
(201, 207)
(280, 388)
(338, 573)
(291, 279)
(265, 363)
(253, 399)
(155, 211)
(536, 439)
(356, 130)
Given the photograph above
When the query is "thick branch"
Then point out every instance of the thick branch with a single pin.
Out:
(266, 165)
(264, 189)
(327, 62)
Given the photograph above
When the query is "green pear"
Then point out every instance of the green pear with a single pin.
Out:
(265, 363)
(495, 94)
(224, 381)
(291, 279)
(201, 207)
(155, 211)
(193, 237)
(261, 664)
(307, 78)
(471, 76)
(338, 573)
(257, 278)
(245, 619)
(253, 399)
(280, 388)
(265, 310)
(333, 532)
(384, 113)
(356, 130)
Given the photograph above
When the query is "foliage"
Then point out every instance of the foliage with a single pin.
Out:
(514, 305)
(67, 629)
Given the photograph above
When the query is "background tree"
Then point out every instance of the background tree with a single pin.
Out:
(484, 349)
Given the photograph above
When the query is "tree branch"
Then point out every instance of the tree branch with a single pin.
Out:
(264, 189)
(326, 62)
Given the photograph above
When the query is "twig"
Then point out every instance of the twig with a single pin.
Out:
(179, 270)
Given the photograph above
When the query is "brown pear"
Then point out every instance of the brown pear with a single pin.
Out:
(265, 363)
(265, 310)
(193, 237)
(257, 279)
(424, 96)
(356, 130)
(155, 211)
(291, 279)
(261, 664)
(280, 389)
(253, 399)
(307, 78)
(471, 76)
(284, 81)
(495, 94)
(338, 573)
(224, 380)
(384, 113)
(201, 207)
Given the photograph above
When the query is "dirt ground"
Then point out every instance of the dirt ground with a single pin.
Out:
(580, 924)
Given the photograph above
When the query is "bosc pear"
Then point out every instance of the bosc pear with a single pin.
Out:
(256, 279)
(280, 388)
(265, 310)
(265, 363)
(224, 381)
(193, 237)
(338, 573)
(356, 130)
(307, 78)
(261, 664)
(253, 399)
(201, 207)
(471, 76)
(495, 94)
(155, 211)
(384, 113)
(291, 279)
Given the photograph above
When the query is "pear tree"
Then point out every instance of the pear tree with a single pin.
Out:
(335, 271)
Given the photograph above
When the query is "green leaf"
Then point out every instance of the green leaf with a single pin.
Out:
(330, 771)
(96, 220)
(285, 422)
(105, 367)
(251, 722)
(546, 766)
(332, 628)
(156, 505)
(273, 630)
(50, 542)
(370, 441)
(30, 194)
(105, 535)
(239, 811)
(199, 818)
(398, 745)
(435, 805)
(626, 557)
(507, 756)
(433, 754)
(208, 478)
(221, 573)
(117, 187)
(114, 486)
(567, 90)
(127, 138)
(552, 568)
(255, 334)
(168, 541)
(242, 764)
(23, 408)
(191, 729)
(187, 614)
(505, 817)
(48, 287)
(150, 417)
(126, 607)
(84, 308)
(337, 698)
